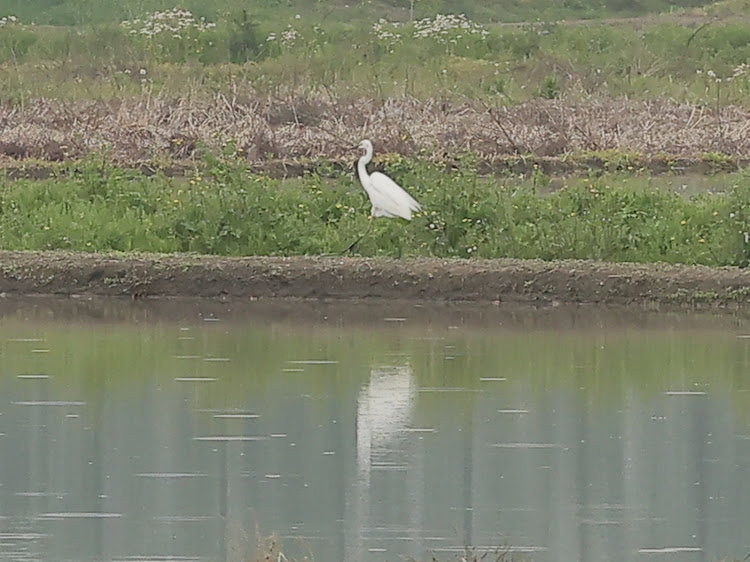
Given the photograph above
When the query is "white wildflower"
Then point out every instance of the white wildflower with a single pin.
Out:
(173, 22)
(289, 36)
(385, 31)
(443, 28)
(8, 20)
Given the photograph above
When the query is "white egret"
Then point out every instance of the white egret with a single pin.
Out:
(388, 198)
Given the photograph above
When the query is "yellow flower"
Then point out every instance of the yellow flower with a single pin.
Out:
(683, 222)
(701, 240)
(715, 213)
(573, 214)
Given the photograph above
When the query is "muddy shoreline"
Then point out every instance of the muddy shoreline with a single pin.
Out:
(335, 277)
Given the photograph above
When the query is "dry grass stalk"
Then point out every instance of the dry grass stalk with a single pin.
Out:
(147, 128)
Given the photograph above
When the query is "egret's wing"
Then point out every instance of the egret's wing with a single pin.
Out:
(390, 198)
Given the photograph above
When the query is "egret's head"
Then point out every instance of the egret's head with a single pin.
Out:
(365, 145)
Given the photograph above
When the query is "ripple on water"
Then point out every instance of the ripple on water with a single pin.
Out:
(26, 340)
(48, 403)
(527, 446)
(171, 475)
(521, 549)
(156, 558)
(426, 389)
(230, 438)
(22, 536)
(183, 518)
(313, 362)
(670, 550)
(78, 515)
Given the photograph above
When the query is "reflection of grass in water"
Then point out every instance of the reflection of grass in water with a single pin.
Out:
(600, 364)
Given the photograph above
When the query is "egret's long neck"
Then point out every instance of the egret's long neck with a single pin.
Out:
(362, 165)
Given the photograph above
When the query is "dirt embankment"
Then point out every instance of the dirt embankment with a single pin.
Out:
(491, 281)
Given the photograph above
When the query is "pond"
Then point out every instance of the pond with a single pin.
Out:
(186, 429)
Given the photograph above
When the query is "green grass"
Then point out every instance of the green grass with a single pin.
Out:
(78, 12)
(348, 58)
(226, 210)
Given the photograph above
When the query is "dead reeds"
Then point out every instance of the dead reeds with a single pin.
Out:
(146, 128)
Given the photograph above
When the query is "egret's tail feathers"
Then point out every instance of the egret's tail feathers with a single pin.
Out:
(414, 207)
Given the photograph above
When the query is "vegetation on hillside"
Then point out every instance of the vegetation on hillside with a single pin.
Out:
(174, 51)
(171, 51)
(84, 12)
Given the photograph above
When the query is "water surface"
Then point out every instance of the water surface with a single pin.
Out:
(183, 430)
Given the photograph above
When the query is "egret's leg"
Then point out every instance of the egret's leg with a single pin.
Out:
(351, 246)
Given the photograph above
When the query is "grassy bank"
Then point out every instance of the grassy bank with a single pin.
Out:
(225, 210)
(212, 91)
